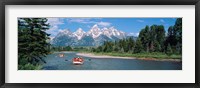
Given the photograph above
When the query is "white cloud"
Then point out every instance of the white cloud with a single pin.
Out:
(141, 21)
(104, 24)
(161, 20)
(77, 20)
(81, 20)
(54, 31)
(55, 21)
(54, 25)
(133, 34)
(89, 21)
(137, 34)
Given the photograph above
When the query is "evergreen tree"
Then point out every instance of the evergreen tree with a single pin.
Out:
(152, 38)
(178, 34)
(67, 48)
(160, 37)
(145, 38)
(122, 50)
(157, 47)
(138, 47)
(99, 49)
(131, 44)
(174, 37)
(169, 50)
(32, 40)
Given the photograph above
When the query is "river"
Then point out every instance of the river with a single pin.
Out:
(54, 62)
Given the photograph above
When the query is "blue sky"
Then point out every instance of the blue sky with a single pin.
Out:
(128, 25)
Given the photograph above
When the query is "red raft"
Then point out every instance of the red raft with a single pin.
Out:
(78, 61)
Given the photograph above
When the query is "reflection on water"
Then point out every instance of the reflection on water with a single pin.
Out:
(54, 62)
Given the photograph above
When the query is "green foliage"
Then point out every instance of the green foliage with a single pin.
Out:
(169, 50)
(145, 38)
(174, 37)
(107, 46)
(32, 41)
(99, 49)
(157, 46)
(152, 39)
(61, 48)
(29, 67)
(138, 46)
(67, 48)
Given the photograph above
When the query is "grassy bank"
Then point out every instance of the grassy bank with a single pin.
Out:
(155, 55)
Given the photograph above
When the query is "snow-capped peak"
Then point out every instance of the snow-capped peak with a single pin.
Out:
(95, 36)
(79, 30)
(95, 31)
(113, 29)
(107, 32)
(95, 26)
(65, 32)
(79, 33)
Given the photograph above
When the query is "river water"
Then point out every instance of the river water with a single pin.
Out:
(54, 62)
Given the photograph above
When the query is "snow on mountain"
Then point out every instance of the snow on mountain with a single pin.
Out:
(114, 31)
(64, 38)
(65, 32)
(107, 32)
(122, 34)
(95, 36)
(79, 33)
(95, 31)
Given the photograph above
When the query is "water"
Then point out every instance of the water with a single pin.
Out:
(54, 62)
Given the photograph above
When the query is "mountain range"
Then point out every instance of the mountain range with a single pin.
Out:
(94, 37)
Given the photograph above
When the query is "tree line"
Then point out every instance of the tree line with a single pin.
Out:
(150, 39)
(61, 48)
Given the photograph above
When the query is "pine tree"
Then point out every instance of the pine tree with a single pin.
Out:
(152, 38)
(160, 37)
(32, 40)
(174, 37)
(169, 50)
(138, 47)
(145, 38)
(178, 34)
(157, 47)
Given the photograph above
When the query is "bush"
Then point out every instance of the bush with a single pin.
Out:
(29, 67)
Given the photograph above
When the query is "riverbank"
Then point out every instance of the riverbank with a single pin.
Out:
(98, 55)
(102, 56)
(64, 52)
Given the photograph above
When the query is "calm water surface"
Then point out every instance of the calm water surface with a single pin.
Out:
(54, 62)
